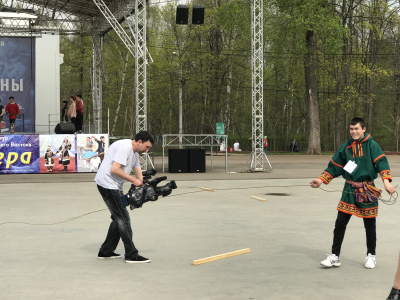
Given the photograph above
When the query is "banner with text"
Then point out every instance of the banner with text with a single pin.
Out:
(19, 154)
(17, 79)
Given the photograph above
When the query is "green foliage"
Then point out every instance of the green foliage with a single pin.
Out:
(357, 70)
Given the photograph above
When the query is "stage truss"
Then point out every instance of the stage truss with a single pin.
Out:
(97, 17)
(88, 17)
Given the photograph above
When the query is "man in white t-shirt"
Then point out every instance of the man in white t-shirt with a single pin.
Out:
(121, 157)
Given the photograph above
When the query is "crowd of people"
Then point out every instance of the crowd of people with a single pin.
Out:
(74, 112)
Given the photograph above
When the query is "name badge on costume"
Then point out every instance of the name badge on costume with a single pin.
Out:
(350, 166)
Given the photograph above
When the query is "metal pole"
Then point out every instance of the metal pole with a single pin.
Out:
(180, 104)
(180, 98)
(211, 156)
(163, 143)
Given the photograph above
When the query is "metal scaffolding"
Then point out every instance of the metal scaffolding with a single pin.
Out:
(194, 141)
(98, 72)
(257, 154)
(140, 63)
(95, 18)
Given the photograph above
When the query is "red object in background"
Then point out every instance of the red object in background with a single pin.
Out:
(57, 168)
(230, 149)
(2, 124)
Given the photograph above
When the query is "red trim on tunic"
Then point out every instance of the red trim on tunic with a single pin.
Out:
(336, 164)
(357, 211)
(348, 147)
(378, 157)
(366, 138)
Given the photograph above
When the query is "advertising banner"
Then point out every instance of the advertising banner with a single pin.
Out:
(90, 151)
(57, 153)
(19, 154)
(52, 153)
(17, 79)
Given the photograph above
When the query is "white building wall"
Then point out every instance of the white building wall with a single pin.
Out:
(47, 85)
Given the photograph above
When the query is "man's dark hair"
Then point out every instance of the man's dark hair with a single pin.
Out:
(80, 96)
(356, 121)
(65, 102)
(11, 97)
(144, 136)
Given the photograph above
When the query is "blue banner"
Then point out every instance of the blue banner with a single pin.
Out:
(19, 154)
(17, 79)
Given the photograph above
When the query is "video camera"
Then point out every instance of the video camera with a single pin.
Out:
(136, 196)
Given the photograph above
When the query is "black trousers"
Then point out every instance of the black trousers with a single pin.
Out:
(120, 226)
(340, 228)
(73, 121)
(79, 121)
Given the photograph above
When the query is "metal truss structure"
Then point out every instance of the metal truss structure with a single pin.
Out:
(97, 17)
(63, 16)
(194, 140)
(257, 154)
(140, 63)
(87, 17)
(98, 74)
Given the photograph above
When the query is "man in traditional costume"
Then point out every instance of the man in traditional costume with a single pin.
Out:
(358, 161)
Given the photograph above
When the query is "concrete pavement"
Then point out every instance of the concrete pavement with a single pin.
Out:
(288, 236)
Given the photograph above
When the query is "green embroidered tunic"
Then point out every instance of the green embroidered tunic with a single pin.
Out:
(370, 161)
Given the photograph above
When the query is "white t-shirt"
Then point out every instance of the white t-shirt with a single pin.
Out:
(236, 146)
(121, 152)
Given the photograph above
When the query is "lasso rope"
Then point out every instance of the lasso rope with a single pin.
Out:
(391, 201)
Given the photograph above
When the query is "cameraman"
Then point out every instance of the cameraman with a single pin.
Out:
(121, 157)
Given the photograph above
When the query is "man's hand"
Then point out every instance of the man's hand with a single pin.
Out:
(136, 182)
(388, 187)
(116, 169)
(316, 183)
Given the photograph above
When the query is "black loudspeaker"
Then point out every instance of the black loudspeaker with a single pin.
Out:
(198, 14)
(197, 160)
(63, 128)
(182, 14)
(178, 160)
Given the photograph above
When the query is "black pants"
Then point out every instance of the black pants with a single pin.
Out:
(120, 226)
(79, 121)
(73, 121)
(340, 228)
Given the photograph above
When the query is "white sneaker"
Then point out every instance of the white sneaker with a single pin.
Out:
(370, 261)
(331, 261)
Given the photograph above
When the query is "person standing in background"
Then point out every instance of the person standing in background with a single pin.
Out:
(12, 111)
(64, 112)
(1, 111)
(265, 145)
(72, 111)
(2, 124)
(79, 113)
(236, 146)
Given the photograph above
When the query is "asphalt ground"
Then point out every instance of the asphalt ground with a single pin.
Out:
(53, 254)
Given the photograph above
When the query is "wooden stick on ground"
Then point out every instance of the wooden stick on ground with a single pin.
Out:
(207, 189)
(220, 256)
(259, 199)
